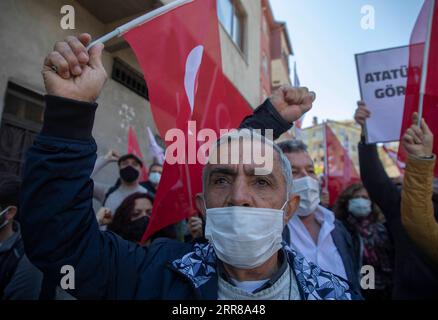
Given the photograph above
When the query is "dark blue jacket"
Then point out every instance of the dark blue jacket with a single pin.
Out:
(59, 228)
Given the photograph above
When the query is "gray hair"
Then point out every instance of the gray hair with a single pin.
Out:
(293, 146)
(251, 134)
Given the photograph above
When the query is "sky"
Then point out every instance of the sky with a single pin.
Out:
(325, 36)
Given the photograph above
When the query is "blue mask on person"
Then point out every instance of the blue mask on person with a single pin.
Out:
(155, 177)
(359, 207)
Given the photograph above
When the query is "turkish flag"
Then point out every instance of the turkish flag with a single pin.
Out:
(134, 148)
(340, 171)
(180, 55)
(416, 57)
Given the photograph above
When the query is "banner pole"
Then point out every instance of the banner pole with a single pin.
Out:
(325, 157)
(138, 21)
(425, 64)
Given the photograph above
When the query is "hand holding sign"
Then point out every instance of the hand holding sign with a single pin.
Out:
(362, 114)
(382, 81)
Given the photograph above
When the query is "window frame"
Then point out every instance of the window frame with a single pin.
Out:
(237, 13)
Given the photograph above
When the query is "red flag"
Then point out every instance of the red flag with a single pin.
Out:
(134, 148)
(417, 54)
(340, 170)
(180, 55)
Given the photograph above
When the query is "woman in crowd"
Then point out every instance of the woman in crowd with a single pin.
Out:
(371, 241)
(132, 217)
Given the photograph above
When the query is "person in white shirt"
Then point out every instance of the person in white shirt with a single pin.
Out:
(314, 231)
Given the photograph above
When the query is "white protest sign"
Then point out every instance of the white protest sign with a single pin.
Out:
(382, 80)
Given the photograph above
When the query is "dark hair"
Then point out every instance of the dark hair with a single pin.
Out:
(341, 206)
(123, 214)
(292, 146)
(130, 156)
(155, 164)
(9, 190)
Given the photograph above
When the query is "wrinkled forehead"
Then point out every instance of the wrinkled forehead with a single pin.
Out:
(300, 159)
(254, 153)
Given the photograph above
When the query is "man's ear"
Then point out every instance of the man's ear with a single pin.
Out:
(291, 208)
(200, 205)
(11, 213)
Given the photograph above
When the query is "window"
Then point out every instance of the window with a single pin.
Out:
(21, 121)
(23, 104)
(232, 18)
(265, 26)
(265, 65)
(285, 58)
(264, 95)
(130, 78)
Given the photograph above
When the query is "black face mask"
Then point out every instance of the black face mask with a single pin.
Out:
(135, 229)
(129, 174)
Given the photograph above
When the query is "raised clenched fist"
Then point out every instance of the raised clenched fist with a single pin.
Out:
(70, 71)
(292, 103)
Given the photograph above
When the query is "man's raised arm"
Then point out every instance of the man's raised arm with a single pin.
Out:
(59, 226)
(279, 112)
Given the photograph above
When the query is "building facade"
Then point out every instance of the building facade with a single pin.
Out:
(349, 135)
(275, 51)
(28, 31)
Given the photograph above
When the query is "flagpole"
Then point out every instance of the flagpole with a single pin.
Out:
(425, 63)
(325, 156)
(138, 21)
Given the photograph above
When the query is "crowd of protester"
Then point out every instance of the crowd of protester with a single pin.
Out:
(268, 237)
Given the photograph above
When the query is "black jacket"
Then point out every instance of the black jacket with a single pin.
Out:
(415, 276)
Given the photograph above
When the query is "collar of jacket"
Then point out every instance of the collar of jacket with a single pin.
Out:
(199, 268)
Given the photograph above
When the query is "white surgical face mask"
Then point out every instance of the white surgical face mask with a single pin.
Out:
(245, 237)
(359, 207)
(155, 177)
(308, 190)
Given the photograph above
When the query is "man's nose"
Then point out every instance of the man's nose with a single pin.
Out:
(304, 173)
(240, 195)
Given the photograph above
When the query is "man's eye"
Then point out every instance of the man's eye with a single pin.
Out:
(220, 181)
(262, 182)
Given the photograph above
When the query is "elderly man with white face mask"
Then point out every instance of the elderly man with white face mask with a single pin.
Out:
(244, 260)
(314, 231)
(246, 214)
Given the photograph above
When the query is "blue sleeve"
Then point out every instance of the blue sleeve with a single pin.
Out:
(25, 283)
(58, 222)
